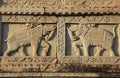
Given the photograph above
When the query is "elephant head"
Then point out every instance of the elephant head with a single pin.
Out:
(48, 31)
(83, 28)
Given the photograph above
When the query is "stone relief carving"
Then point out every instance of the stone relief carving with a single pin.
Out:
(70, 35)
(75, 40)
(35, 35)
(88, 35)
(76, 31)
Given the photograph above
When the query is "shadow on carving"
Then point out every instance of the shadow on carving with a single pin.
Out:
(116, 45)
(4, 36)
(1, 3)
(69, 44)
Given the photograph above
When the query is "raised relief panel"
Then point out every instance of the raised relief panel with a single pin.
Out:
(29, 39)
(93, 39)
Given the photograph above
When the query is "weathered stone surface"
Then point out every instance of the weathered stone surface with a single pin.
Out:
(59, 6)
(59, 38)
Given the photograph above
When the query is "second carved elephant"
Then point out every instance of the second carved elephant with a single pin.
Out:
(92, 35)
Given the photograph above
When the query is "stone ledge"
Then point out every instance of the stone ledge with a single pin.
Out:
(59, 75)
(59, 7)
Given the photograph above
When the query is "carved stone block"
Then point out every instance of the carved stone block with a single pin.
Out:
(59, 38)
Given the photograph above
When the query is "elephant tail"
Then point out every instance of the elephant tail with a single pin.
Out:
(114, 30)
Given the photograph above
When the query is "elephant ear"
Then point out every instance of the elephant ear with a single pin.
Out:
(83, 29)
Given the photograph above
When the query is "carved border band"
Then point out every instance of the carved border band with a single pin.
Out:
(54, 6)
(91, 60)
(61, 37)
(53, 19)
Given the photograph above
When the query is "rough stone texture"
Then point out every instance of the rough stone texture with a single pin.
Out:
(59, 38)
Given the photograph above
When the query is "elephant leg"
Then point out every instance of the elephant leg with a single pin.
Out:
(34, 45)
(45, 47)
(99, 49)
(10, 49)
(111, 52)
(6, 52)
(85, 48)
(76, 49)
(21, 50)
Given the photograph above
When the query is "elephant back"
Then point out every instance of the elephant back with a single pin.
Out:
(99, 35)
(36, 32)
(23, 35)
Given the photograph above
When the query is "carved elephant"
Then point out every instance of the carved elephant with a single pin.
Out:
(91, 35)
(32, 35)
